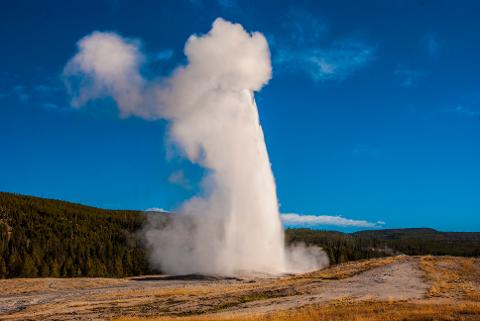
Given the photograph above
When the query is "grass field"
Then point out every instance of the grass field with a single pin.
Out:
(345, 310)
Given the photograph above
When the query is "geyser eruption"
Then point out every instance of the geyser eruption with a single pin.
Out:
(234, 226)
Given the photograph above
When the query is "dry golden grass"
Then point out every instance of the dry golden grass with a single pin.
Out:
(439, 271)
(29, 285)
(159, 293)
(345, 310)
(286, 286)
(349, 269)
(455, 277)
(329, 294)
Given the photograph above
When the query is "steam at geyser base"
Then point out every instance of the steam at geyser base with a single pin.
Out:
(234, 227)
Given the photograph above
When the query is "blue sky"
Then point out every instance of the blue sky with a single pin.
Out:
(373, 111)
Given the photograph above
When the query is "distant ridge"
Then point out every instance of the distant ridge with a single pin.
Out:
(417, 233)
(31, 198)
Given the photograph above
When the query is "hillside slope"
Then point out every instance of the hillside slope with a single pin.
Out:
(41, 237)
(421, 241)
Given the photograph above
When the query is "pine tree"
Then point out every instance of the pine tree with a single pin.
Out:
(28, 267)
(44, 270)
(54, 269)
(3, 268)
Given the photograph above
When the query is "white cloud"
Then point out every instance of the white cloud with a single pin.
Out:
(223, 4)
(178, 178)
(45, 89)
(157, 209)
(49, 105)
(298, 220)
(293, 219)
(432, 45)
(20, 92)
(335, 62)
(464, 110)
(227, 4)
(303, 28)
(409, 76)
(303, 45)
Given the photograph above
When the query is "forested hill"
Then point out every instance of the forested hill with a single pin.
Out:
(42, 237)
(421, 241)
(342, 247)
(419, 233)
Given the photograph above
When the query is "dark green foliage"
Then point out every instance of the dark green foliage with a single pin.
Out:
(41, 237)
(423, 241)
(342, 247)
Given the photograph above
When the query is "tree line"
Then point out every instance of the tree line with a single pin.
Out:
(41, 237)
(49, 238)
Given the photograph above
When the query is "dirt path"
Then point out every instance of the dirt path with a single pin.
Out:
(398, 281)
(96, 299)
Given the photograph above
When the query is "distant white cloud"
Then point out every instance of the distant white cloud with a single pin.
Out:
(157, 209)
(408, 76)
(463, 110)
(178, 178)
(45, 89)
(224, 4)
(227, 4)
(303, 28)
(49, 105)
(432, 45)
(293, 219)
(45, 96)
(21, 93)
(335, 62)
(302, 46)
(299, 220)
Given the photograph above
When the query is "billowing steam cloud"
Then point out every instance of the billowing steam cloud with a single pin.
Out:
(234, 226)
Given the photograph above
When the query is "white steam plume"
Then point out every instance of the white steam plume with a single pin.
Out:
(107, 65)
(234, 226)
